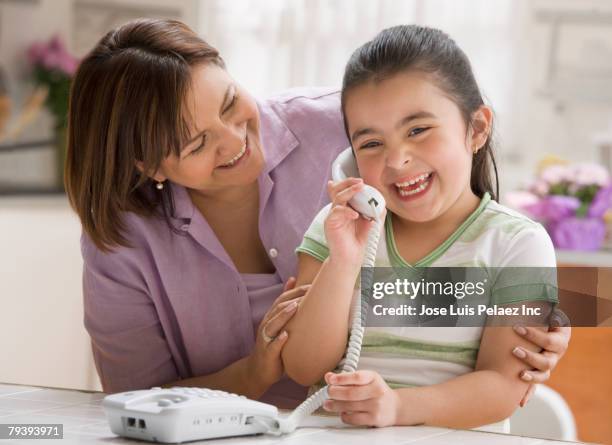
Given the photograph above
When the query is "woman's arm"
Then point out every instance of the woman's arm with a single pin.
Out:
(131, 350)
(495, 382)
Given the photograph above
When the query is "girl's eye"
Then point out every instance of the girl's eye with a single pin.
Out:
(370, 144)
(417, 131)
(199, 147)
(231, 104)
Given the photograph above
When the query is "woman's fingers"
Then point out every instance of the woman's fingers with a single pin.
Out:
(273, 326)
(273, 312)
(541, 361)
(555, 340)
(535, 376)
(276, 346)
(291, 294)
(290, 284)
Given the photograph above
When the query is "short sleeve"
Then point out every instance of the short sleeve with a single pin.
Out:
(128, 343)
(314, 242)
(528, 269)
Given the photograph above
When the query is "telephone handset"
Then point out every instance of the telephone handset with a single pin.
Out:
(182, 414)
(369, 202)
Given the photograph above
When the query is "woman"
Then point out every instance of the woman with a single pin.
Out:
(193, 197)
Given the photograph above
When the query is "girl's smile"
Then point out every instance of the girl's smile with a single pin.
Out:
(415, 187)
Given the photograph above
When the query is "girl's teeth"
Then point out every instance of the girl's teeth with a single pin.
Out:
(420, 188)
(413, 181)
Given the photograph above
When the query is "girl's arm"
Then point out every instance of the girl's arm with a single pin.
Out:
(489, 394)
(318, 332)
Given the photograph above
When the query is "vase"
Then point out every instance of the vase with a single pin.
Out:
(578, 233)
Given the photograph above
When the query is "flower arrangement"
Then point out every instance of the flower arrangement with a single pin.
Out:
(53, 68)
(573, 202)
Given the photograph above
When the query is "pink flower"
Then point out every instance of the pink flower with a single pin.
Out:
(589, 174)
(539, 187)
(53, 56)
(555, 174)
(35, 53)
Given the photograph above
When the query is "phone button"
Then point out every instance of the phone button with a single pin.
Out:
(273, 253)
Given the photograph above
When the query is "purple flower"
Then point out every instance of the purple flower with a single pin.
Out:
(578, 233)
(553, 208)
(601, 203)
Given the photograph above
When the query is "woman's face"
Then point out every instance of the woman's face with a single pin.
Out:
(224, 149)
(411, 143)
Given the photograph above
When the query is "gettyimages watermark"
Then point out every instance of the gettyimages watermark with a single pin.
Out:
(478, 296)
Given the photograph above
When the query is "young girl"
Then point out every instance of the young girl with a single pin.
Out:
(421, 135)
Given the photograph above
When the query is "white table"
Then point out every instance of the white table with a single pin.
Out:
(84, 423)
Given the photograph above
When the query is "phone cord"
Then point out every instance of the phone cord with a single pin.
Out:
(350, 361)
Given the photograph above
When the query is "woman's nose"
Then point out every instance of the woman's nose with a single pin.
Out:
(233, 138)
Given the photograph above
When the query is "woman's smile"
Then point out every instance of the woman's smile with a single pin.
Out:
(239, 158)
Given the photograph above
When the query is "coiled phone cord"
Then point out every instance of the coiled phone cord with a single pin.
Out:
(351, 360)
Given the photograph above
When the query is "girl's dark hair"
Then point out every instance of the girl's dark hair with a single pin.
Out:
(127, 104)
(411, 47)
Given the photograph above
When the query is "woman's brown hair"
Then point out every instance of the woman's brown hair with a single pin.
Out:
(127, 105)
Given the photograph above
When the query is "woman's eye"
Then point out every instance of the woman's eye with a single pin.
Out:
(417, 131)
(371, 144)
(199, 147)
(231, 104)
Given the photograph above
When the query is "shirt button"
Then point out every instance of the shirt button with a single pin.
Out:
(273, 253)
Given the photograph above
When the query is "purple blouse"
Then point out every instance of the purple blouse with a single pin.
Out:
(174, 306)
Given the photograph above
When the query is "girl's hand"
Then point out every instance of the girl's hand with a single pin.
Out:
(362, 398)
(346, 231)
(265, 361)
(554, 343)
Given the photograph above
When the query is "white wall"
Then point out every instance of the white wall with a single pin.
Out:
(42, 338)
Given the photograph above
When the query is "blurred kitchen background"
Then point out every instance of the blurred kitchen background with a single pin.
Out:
(544, 65)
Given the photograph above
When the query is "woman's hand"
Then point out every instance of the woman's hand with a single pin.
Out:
(346, 231)
(554, 343)
(265, 363)
(362, 398)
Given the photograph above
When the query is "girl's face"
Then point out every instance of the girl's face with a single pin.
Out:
(412, 144)
(225, 149)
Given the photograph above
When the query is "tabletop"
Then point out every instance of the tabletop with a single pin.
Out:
(84, 422)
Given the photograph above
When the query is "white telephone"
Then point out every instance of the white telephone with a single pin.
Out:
(368, 202)
(182, 414)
